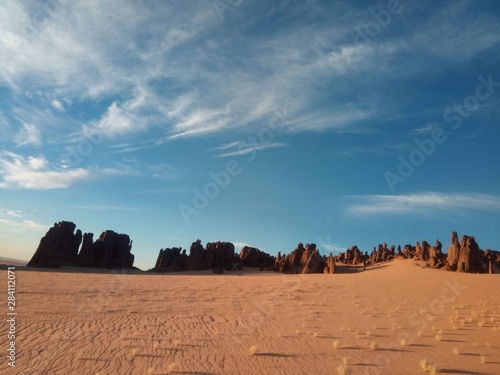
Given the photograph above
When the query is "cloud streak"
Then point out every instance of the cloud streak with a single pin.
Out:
(28, 135)
(243, 148)
(421, 203)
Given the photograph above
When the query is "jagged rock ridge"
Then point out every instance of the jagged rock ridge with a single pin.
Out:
(60, 245)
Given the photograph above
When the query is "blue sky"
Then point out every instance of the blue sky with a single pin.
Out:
(251, 121)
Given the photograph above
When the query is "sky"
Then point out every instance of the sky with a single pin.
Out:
(265, 123)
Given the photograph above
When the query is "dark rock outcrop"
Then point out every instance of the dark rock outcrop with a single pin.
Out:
(112, 250)
(196, 260)
(252, 257)
(86, 255)
(408, 251)
(171, 260)
(59, 247)
(490, 258)
(217, 256)
(220, 255)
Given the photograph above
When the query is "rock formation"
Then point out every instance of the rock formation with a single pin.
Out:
(490, 259)
(112, 250)
(311, 260)
(196, 260)
(171, 260)
(452, 253)
(86, 255)
(383, 254)
(463, 256)
(217, 256)
(301, 260)
(409, 252)
(353, 256)
(59, 247)
(220, 255)
(252, 257)
(470, 257)
(330, 266)
(425, 250)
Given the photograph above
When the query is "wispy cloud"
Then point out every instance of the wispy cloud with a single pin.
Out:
(200, 122)
(9, 226)
(227, 145)
(348, 152)
(428, 202)
(11, 213)
(129, 147)
(454, 40)
(243, 148)
(16, 221)
(333, 248)
(4, 122)
(424, 130)
(29, 134)
(170, 70)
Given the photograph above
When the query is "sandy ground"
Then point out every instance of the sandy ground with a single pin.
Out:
(385, 320)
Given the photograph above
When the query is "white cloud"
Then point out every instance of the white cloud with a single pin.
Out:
(428, 202)
(117, 170)
(56, 104)
(36, 173)
(243, 148)
(163, 171)
(201, 121)
(122, 118)
(213, 83)
(227, 145)
(424, 130)
(29, 134)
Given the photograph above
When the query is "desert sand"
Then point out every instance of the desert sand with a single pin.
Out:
(384, 320)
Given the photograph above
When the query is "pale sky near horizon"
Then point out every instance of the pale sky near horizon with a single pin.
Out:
(258, 122)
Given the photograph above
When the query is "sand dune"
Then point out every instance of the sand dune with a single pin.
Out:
(385, 320)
